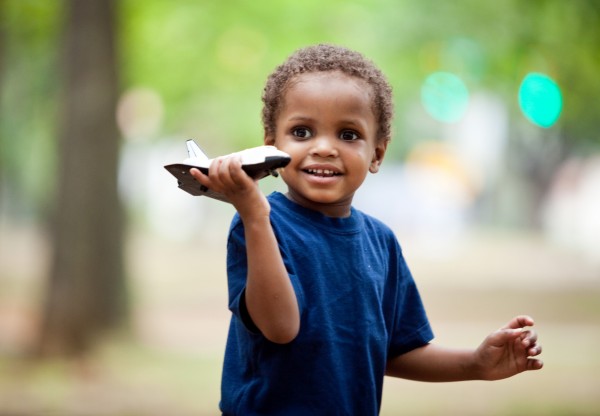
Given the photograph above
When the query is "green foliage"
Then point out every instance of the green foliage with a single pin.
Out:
(208, 60)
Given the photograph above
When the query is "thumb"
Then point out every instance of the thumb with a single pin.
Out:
(503, 336)
(520, 321)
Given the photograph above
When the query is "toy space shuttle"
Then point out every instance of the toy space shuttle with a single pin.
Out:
(257, 162)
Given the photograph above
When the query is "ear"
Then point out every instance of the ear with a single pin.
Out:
(378, 155)
(269, 140)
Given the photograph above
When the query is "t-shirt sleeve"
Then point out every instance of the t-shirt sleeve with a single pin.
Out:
(410, 326)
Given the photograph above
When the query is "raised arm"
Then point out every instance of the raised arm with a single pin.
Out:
(269, 296)
(504, 353)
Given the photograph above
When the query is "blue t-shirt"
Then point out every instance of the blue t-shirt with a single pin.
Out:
(359, 306)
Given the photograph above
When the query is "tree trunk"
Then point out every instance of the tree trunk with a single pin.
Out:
(3, 34)
(86, 292)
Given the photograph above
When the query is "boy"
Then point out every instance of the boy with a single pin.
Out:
(323, 303)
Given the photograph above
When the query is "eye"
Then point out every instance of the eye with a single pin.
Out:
(349, 135)
(302, 132)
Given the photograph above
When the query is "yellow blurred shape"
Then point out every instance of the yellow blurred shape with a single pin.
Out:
(439, 157)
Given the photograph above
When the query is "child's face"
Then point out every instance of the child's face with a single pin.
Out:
(327, 125)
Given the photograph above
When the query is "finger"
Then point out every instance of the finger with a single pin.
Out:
(231, 172)
(199, 176)
(216, 173)
(240, 176)
(529, 337)
(236, 172)
(535, 350)
(520, 321)
(534, 364)
(213, 169)
(216, 166)
(503, 336)
(223, 169)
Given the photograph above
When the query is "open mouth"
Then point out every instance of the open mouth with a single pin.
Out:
(324, 173)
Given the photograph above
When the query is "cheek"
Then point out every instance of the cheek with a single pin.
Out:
(362, 158)
(288, 175)
(294, 149)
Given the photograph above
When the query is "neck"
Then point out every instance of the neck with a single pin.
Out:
(341, 209)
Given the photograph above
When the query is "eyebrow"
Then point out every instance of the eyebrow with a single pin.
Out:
(300, 118)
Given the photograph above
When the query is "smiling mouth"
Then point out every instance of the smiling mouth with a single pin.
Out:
(324, 173)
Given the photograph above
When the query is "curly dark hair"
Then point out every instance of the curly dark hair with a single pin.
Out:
(323, 58)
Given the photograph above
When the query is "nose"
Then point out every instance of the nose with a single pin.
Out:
(324, 146)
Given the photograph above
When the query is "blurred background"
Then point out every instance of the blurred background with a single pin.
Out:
(113, 298)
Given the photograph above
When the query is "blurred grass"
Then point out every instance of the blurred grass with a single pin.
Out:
(170, 365)
(125, 378)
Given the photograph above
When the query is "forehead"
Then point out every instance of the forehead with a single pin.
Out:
(334, 87)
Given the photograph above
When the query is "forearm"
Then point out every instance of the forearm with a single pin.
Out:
(270, 296)
(504, 353)
(432, 363)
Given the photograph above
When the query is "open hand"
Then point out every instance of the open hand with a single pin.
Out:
(509, 350)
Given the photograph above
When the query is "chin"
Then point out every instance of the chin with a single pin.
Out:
(324, 198)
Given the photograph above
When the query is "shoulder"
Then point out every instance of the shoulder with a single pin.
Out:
(374, 224)
(380, 236)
